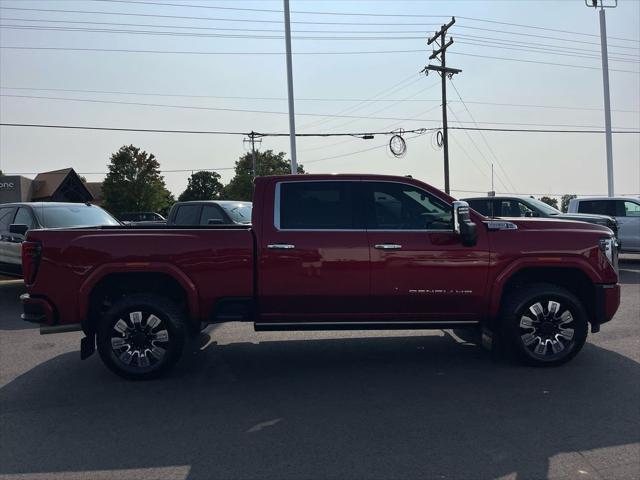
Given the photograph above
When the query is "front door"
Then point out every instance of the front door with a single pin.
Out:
(628, 217)
(419, 268)
(314, 255)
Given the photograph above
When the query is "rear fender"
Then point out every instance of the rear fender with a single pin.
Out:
(138, 267)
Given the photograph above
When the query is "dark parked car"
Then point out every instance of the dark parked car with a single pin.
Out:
(210, 212)
(17, 218)
(135, 217)
(531, 207)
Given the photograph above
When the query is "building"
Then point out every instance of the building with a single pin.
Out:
(56, 186)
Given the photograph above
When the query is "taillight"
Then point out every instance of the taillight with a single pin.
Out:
(30, 261)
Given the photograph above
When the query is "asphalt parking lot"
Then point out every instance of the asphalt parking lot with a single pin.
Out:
(322, 405)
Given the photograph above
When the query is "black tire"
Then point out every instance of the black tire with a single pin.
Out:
(544, 325)
(142, 336)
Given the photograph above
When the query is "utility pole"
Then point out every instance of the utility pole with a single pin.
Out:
(252, 141)
(440, 38)
(605, 84)
(292, 115)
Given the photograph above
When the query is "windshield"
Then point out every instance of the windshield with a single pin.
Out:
(81, 215)
(239, 212)
(548, 209)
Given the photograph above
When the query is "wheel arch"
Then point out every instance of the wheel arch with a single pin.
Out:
(109, 281)
(573, 277)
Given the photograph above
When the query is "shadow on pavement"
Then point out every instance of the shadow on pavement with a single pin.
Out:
(407, 407)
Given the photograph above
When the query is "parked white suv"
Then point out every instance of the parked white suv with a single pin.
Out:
(626, 211)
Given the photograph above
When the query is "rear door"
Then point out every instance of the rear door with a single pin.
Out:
(420, 271)
(314, 254)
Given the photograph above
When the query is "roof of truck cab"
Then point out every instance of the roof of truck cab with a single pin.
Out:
(605, 198)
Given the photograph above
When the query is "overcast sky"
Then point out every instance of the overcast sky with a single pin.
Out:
(553, 81)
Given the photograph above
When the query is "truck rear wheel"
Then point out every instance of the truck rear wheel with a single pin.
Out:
(544, 324)
(141, 336)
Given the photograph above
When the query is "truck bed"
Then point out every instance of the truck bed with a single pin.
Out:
(211, 263)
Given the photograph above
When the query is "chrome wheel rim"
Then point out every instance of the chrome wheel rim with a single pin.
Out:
(546, 330)
(139, 340)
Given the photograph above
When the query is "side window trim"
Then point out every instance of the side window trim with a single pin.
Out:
(358, 192)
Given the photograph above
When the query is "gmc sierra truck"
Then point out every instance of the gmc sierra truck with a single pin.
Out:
(325, 252)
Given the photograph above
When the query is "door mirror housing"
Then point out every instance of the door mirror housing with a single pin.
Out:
(531, 214)
(18, 229)
(463, 225)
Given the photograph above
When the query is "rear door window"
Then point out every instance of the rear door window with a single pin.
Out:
(317, 206)
(211, 212)
(600, 207)
(484, 207)
(188, 215)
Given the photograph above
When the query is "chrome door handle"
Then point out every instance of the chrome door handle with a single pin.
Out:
(280, 246)
(388, 246)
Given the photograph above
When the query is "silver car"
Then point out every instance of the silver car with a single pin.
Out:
(626, 211)
(17, 218)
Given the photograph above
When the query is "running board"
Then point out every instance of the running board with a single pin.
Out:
(305, 326)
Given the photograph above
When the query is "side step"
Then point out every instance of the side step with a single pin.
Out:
(306, 326)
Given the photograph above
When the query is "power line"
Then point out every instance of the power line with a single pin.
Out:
(369, 52)
(213, 132)
(493, 153)
(480, 152)
(279, 30)
(547, 29)
(271, 112)
(524, 48)
(184, 17)
(310, 99)
(360, 14)
(413, 78)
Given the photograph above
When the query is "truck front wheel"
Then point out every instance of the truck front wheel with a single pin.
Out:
(141, 336)
(545, 324)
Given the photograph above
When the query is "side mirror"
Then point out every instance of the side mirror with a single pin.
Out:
(18, 229)
(531, 214)
(463, 225)
(215, 221)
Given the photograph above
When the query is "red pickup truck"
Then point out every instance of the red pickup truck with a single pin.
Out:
(325, 252)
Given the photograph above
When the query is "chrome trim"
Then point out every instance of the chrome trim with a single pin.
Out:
(280, 246)
(390, 322)
(500, 225)
(388, 246)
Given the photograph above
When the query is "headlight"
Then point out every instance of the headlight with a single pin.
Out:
(609, 248)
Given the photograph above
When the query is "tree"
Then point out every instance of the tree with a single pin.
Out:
(202, 186)
(268, 163)
(564, 202)
(134, 183)
(553, 202)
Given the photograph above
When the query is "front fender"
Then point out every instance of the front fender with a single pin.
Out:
(538, 262)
